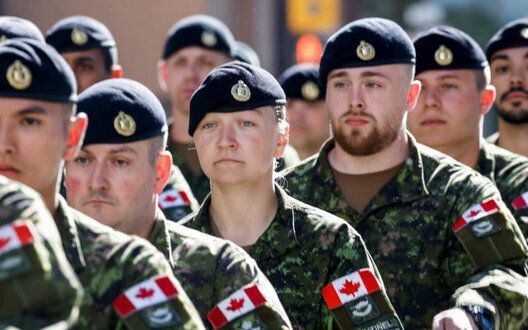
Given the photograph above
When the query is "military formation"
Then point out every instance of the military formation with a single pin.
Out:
(356, 193)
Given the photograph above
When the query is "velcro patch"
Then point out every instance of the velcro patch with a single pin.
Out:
(521, 202)
(476, 212)
(15, 235)
(350, 287)
(237, 304)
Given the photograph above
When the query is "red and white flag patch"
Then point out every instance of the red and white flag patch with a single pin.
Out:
(350, 287)
(521, 202)
(145, 294)
(15, 235)
(173, 198)
(476, 212)
(237, 304)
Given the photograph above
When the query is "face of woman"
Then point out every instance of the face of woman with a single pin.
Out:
(238, 147)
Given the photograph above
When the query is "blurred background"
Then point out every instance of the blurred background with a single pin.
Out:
(282, 32)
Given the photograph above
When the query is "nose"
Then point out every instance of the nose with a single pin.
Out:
(227, 137)
(356, 101)
(98, 178)
(430, 97)
(517, 79)
(295, 111)
(7, 140)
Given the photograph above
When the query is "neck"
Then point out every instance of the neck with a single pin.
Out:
(236, 214)
(179, 127)
(387, 158)
(306, 152)
(467, 152)
(513, 137)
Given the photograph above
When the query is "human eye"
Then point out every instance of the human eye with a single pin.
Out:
(248, 123)
(500, 69)
(82, 160)
(120, 162)
(340, 84)
(208, 125)
(449, 86)
(29, 121)
(372, 84)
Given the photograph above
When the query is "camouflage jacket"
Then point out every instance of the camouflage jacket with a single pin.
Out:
(427, 229)
(493, 138)
(177, 200)
(127, 283)
(305, 250)
(212, 269)
(509, 172)
(38, 285)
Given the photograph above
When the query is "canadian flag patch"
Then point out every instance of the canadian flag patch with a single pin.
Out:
(173, 198)
(350, 287)
(15, 235)
(521, 202)
(237, 304)
(476, 212)
(145, 294)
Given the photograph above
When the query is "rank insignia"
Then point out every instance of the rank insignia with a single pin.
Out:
(79, 37)
(524, 33)
(240, 91)
(365, 51)
(18, 75)
(443, 56)
(208, 39)
(310, 91)
(124, 124)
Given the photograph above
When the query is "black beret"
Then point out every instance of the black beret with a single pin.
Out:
(120, 111)
(15, 27)
(447, 48)
(301, 82)
(366, 42)
(31, 69)
(77, 33)
(245, 53)
(201, 31)
(512, 35)
(232, 87)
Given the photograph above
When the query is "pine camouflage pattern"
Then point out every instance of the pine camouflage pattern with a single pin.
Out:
(45, 292)
(509, 172)
(107, 263)
(178, 185)
(210, 269)
(407, 228)
(302, 250)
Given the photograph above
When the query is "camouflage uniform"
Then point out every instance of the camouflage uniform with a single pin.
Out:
(109, 264)
(211, 269)
(39, 288)
(509, 172)
(303, 250)
(409, 229)
(493, 138)
(177, 200)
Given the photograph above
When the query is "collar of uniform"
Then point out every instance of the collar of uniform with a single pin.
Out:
(160, 238)
(69, 236)
(486, 162)
(493, 138)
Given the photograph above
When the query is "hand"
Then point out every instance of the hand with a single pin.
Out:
(454, 319)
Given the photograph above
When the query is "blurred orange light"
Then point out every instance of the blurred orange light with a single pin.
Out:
(308, 49)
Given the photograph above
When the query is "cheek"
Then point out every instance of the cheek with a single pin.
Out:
(73, 186)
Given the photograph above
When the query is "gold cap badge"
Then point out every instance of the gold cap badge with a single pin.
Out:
(18, 75)
(310, 90)
(365, 51)
(3, 38)
(443, 56)
(124, 124)
(79, 37)
(208, 39)
(240, 91)
(524, 33)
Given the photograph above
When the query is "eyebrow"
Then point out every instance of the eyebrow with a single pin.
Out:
(33, 110)
(124, 149)
(504, 57)
(449, 76)
(366, 74)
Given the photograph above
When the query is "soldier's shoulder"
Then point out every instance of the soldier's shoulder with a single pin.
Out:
(301, 168)
(509, 163)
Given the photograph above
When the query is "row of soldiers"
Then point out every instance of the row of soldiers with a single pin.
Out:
(375, 231)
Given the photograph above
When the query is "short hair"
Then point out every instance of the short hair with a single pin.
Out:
(280, 113)
(156, 146)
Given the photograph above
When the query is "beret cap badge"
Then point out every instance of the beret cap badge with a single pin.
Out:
(18, 75)
(524, 33)
(443, 56)
(240, 91)
(79, 37)
(3, 38)
(365, 51)
(208, 39)
(124, 124)
(310, 91)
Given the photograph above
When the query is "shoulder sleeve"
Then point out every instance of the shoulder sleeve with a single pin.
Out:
(177, 200)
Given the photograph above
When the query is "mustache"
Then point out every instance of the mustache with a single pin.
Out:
(99, 195)
(513, 90)
(357, 113)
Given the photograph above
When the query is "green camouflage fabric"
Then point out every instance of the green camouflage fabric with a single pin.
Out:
(211, 269)
(509, 172)
(108, 264)
(302, 251)
(39, 288)
(289, 159)
(177, 200)
(409, 228)
(493, 138)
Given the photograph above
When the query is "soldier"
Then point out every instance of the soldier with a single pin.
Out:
(38, 285)
(239, 129)
(245, 53)
(122, 167)
(309, 125)
(507, 54)
(12, 27)
(126, 281)
(425, 218)
(456, 94)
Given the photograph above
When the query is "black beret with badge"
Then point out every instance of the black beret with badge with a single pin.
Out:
(301, 82)
(120, 111)
(12, 27)
(201, 31)
(512, 35)
(232, 87)
(34, 70)
(447, 48)
(366, 42)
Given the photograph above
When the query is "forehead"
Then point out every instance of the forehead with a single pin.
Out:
(137, 148)
(8, 104)
(431, 75)
(94, 54)
(386, 71)
(517, 53)
(261, 112)
(195, 52)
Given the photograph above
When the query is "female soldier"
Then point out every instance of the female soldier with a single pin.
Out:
(238, 124)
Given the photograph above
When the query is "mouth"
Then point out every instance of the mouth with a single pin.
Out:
(98, 202)
(432, 122)
(227, 161)
(356, 121)
(8, 170)
(515, 95)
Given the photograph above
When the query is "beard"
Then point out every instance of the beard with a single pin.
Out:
(379, 138)
(516, 116)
